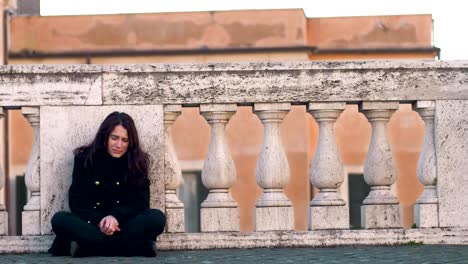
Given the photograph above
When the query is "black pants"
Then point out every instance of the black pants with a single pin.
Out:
(68, 227)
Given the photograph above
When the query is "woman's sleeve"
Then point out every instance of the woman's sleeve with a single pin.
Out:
(78, 195)
(137, 201)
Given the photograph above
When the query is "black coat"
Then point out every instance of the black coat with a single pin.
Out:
(102, 189)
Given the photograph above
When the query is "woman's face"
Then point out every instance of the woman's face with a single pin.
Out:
(117, 143)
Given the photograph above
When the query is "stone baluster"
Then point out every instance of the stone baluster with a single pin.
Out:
(273, 209)
(3, 212)
(219, 212)
(381, 207)
(426, 213)
(173, 175)
(31, 217)
(327, 210)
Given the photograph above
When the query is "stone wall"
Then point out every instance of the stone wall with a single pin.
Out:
(452, 156)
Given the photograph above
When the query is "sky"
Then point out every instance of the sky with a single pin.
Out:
(450, 16)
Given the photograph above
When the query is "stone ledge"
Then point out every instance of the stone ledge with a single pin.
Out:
(208, 83)
(216, 240)
(232, 66)
(24, 244)
(325, 238)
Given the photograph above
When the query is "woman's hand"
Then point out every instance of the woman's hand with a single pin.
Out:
(109, 225)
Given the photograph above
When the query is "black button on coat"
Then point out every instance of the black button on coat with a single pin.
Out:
(102, 189)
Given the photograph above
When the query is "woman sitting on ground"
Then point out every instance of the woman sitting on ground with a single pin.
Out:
(109, 197)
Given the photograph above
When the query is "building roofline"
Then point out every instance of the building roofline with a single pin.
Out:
(172, 52)
(375, 50)
(161, 52)
(13, 12)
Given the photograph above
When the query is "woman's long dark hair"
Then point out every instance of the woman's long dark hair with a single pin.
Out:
(138, 160)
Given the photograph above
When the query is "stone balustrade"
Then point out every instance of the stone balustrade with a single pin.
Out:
(328, 210)
(51, 96)
(219, 212)
(31, 218)
(426, 212)
(172, 172)
(274, 210)
(380, 208)
(3, 212)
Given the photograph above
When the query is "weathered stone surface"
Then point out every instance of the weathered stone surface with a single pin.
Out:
(326, 106)
(379, 169)
(276, 107)
(273, 208)
(286, 82)
(209, 108)
(380, 216)
(219, 172)
(427, 165)
(3, 212)
(31, 223)
(272, 171)
(426, 215)
(65, 128)
(57, 70)
(3, 223)
(50, 85)
(232, 83)
(274, 218)
(219, 211)
(387, 105)
(329, 217)
(451, 126)
(32, 177)
(322, 238)
(175, 221)
(326, 170)
(25, 244)
(172, 173)
(219, 219)
(420, 104)
(272, 239)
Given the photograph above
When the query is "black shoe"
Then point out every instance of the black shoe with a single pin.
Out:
(60, 247)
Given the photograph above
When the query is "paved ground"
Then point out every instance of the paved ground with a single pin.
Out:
(395, 254)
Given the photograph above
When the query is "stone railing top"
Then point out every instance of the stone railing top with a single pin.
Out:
(221, 67)
(297, 82)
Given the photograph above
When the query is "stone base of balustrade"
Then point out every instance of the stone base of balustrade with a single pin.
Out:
(271, 239)
(219, 219)
(175, 220)
(426, 215)
(274, 218)
(3, 223)
(329, 217)
(31, 223)
(380, 216)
